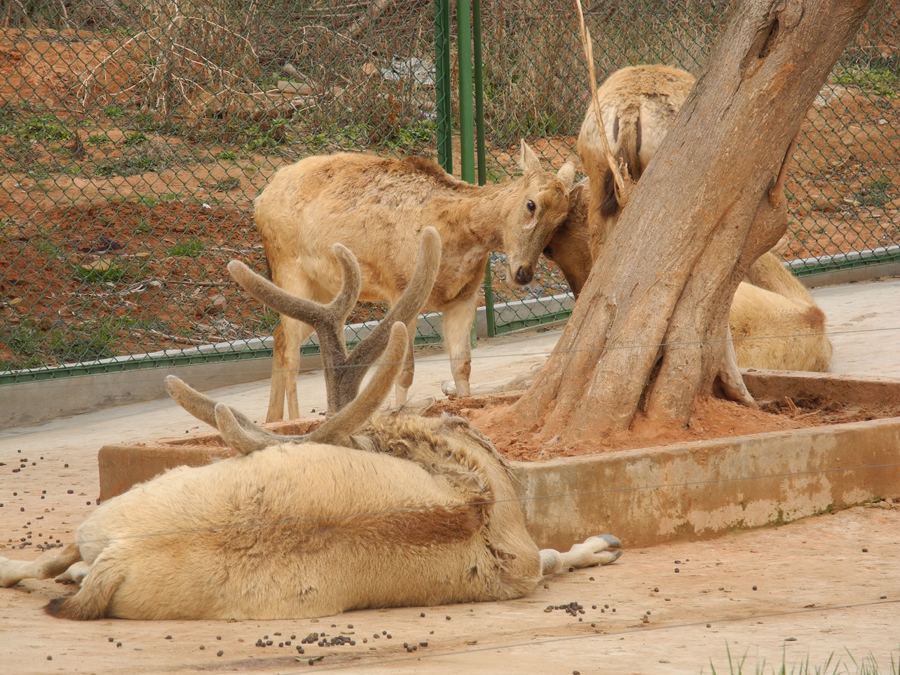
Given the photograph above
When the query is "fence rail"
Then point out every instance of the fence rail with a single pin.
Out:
(134, 136)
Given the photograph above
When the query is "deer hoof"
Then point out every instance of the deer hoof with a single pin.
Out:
(600, 550)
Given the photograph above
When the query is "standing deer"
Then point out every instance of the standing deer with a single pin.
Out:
(366, 511)
(378, 208)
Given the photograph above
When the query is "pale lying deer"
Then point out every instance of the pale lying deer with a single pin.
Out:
(367, 511)
(378, 207)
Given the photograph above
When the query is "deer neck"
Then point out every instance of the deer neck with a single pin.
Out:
(490, 212)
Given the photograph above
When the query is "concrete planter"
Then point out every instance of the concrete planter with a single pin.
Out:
(653, 495)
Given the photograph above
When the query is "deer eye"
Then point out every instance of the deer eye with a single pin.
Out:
(531, 207)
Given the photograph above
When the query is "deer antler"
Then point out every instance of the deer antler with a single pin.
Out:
(238, 431)
(343, 373)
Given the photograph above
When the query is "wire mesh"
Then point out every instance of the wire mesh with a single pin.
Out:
(843, 189)
(136, 135)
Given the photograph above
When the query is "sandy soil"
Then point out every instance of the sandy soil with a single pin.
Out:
(814, 582)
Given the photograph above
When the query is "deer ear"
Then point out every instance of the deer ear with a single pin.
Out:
(528, 161)
(575, 195)
(566, 175)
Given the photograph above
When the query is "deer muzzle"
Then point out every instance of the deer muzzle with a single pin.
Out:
(524, 275)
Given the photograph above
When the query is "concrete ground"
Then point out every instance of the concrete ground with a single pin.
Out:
(825, 585)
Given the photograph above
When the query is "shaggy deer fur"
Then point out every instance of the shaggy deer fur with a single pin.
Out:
(368, 511)
(378, 208)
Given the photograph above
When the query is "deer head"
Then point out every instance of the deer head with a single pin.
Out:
(343, 372)
(539, 204)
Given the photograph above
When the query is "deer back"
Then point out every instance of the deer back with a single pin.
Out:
(638, 105)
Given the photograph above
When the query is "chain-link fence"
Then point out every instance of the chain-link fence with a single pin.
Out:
(135, 136)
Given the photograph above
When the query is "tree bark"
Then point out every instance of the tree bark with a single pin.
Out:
(647, 333)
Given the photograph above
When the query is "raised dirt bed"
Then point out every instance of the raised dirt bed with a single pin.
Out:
(684, 490)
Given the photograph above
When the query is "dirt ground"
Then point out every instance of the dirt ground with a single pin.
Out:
(818, 593)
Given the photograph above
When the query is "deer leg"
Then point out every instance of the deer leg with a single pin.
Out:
(276, 392)
(458, 319)
(729, 383)
(600, 550)
(49, 564)
(404, 382)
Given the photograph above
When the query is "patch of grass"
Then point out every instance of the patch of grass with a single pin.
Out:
(145, 122)
(225, 184)
(868, 665)
(84, 343)
(114, 112)
(192, 248)
(267, 135)
(134, 139)
(43, 127)
(416, 134)
(881, 81)
(98, 139)
(227, 155)
(143, 227)
(97, 274)
(46, 246)
(147, 200)
(129, 166)
(874, 193)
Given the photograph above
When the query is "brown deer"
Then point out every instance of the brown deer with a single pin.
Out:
(378, 208)
(368, 510)
(774, 321)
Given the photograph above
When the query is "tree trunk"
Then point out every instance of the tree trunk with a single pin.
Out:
(647, 333)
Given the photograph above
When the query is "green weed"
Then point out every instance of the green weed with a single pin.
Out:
(114, 112)
(882, 82)
(225, 184)
(129, 166)
(98, 139)
(134, 139)
(227, 155)
(43, 127)
(192, 248)
(874, 193)
(100, 274)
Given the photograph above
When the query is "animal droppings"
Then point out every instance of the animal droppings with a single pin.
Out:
(112, 639)
(118, 644)
(865, 550)
(49, 658)
(219, 653)
(676, 570)
(656, 589)
(168, 637)
(754, 588)
(202, 647)
(70, 492)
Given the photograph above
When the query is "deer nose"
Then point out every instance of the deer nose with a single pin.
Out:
(524, 275)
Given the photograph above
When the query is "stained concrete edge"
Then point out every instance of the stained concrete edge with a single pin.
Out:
(698, 490)
(36, 402)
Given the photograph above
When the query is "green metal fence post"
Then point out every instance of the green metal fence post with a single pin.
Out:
(443, 101)
(480, 152)
(466, 115)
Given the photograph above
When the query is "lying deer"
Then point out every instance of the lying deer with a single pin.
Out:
(378, 208)
(368, 510)
(774, 321)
